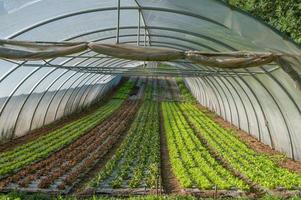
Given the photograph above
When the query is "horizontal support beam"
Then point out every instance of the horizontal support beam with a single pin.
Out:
(99, 69)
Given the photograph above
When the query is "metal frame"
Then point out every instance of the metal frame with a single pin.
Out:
(118, 21)
(168, 29)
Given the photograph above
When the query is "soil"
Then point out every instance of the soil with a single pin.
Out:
(254, 143)
(79, 188)
(32, 135)
(89, 147)
(169, 181)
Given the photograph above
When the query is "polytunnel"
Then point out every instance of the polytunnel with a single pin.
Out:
(264, 101)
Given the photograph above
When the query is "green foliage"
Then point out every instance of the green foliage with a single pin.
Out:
(260, 168)
(284, 15)
(123, 92)
(45, 145)
(191, 162)
(136, 162)
(185, 93)
(21, 196)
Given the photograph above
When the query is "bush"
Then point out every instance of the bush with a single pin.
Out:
(284, 15)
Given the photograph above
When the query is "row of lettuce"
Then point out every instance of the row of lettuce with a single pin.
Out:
(137, 160)
(190, 160)
(42, 147)
(193, 165)
(258, 167)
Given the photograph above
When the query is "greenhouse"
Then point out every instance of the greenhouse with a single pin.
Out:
(146, 99)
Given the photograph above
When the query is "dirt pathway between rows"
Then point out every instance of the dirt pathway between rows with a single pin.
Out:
(170, 183)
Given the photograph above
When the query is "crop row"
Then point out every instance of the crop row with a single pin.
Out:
(66, 165)
(257, 167)
(136, 162)
(43, 146)
(123, 92)
(191, 162)
(185, 93)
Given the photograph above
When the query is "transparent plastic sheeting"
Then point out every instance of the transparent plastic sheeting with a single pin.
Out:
(263, 101)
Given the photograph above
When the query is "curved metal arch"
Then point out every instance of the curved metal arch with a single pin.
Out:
(251, 103)
(244, 107)
(232, 98)
(46, 113)
(206, 92)
(118, 61)
(15, 89)
(196, 92)
(83, 12)
(88, 75)
(201, 90)
(234, 102)
(70, 107)
(170, 44)
(83, 98)
(271, 139)
(87, 93)
(281, 113)
(101, 92)
(26, 99)
(203, 94)
(229, 91)
(262, 111)
(47, 89)
(289, 95)
(197, 35)
(214, 89)
(227, 99)
(29, 95)
(229, 107)
(283, 88)
(20, 66)
(32, 90)
(224, 108)
(261, 108)
(185, 40)
(40, 100)
(280, 110)
(44, 93)
(218, 98)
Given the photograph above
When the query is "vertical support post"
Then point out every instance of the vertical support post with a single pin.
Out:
(118, 21)
(139, 25)
(144, 36)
